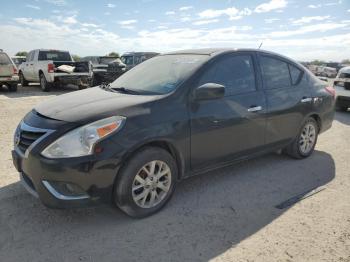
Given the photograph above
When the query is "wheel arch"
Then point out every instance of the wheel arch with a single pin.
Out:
(160, 143)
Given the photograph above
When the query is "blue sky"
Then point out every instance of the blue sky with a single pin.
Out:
(303, 30)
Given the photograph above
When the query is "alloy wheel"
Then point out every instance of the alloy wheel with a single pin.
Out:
(151, 184)
(307, 138)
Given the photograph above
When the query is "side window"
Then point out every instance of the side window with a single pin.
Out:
(32, 56)
(275, 72)
(137, 60)
(28, 58)
(295, 74)
(235, 72)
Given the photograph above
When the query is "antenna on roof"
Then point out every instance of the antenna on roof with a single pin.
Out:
(260, 44)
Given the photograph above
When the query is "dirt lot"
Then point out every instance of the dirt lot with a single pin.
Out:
(226, 215)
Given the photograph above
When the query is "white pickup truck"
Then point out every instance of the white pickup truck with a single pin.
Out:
(49, 68)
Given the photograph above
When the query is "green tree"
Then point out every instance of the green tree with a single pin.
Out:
(345, 61)
(318, 62)
(76, 58)
(21, 53)
(113, 54)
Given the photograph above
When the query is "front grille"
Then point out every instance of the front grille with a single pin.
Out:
(26, 138)
(26, 135)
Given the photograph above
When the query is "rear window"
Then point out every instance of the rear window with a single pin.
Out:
(295, 74)
(54, 55)
(275, 73)
(4, 59)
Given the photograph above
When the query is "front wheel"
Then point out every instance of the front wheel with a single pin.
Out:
(22, 80)
(305, 143)
(146, 182)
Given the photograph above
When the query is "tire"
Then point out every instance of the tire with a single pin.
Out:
(45, 86)
(133, 195)
(302, 147)
(22, 80)
(342, 108)
(12, 87)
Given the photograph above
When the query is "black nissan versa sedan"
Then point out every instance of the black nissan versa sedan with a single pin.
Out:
(171, 117)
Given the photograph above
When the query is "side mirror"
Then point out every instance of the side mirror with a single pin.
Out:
(209, 91)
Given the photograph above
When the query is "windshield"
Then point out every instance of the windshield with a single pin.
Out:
(128, 60)
(54, 55)
(161, 74)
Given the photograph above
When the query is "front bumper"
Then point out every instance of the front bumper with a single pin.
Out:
(41, 176)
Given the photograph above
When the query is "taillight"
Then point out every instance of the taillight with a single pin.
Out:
(330, 90)
(50, 68)
(14, 70)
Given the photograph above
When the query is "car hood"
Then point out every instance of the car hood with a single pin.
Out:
(92, 104)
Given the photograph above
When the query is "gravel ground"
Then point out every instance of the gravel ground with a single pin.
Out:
(226, 215)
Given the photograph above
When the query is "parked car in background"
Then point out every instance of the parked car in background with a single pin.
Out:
(54, 67)
(326, 71)
(8, 72)
(173, 116)
(132, 59)
(342, 89)
(105, 69)
(18, 60)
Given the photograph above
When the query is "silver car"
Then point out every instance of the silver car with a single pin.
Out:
(342, 89)
(8, 72)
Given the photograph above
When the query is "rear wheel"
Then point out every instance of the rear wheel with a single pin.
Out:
(146, 182)
(12, 87)
(305, 143)
(342, 108)
(45, 86)
(22, 80)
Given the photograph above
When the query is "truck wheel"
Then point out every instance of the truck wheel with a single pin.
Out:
(45, 86)
(146, 182)
(22, 80)
(12, 87)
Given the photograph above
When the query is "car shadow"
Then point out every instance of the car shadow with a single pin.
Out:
(343, 117)
(208, 214)
(35, 90)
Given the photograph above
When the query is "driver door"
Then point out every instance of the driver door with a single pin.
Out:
(232, 126)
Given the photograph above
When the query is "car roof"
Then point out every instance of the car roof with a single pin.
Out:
(345, 70)
(140, 53)
(216, 51)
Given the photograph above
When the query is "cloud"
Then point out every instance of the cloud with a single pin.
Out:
(205, 22)
(323, 27)
(89, 25)
(185, 8)
(272, 5)
(128, 22)
(33, 7)
(232, 12)
(170, 13)
(70, 20)
(271, 20)
(57, 2)
(308, 19)
(111, 5)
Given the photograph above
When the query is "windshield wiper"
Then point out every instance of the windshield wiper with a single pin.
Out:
(124, 90)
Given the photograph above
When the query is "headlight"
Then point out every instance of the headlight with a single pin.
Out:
(81, 141)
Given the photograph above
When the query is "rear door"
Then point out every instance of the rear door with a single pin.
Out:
(6, 66)
(233, 126)
(288, 97)
(27, 68)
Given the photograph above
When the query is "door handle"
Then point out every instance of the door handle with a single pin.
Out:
(306, 99)
(254, 109)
